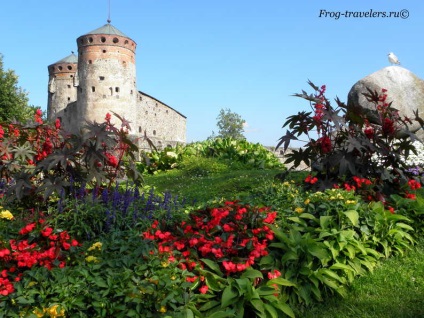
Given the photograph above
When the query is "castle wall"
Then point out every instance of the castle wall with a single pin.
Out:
(163, 125)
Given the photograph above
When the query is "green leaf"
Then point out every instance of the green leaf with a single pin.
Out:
(252, 273)
(213, 266)
(353, 216)
(271, 311)
(341, 266)
(325, 221)
(285, 309)
(229, 295)
(280, 281)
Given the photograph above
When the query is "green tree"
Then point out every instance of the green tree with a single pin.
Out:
(13, 99)
(230, 125)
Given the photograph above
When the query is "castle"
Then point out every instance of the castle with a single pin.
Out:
(101, 80)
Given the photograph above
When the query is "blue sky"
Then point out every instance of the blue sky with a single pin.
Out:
(200, 56)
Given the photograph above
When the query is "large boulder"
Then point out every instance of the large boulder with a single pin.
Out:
(404, 89)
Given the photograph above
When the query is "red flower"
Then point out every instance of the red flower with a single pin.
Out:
(274, 274)
(388, 126)
(27, 229)
(111, 160)
(47, 231)
(57, 123)
(311, 180)
(413, 184)
(204, 289)
(325, 144)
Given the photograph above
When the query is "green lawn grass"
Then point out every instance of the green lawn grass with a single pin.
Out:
(395, 288)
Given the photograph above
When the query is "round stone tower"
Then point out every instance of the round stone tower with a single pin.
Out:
(63, 82)
(107, 75)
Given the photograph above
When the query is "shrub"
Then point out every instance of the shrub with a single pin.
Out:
(343, 144)
(41, 159)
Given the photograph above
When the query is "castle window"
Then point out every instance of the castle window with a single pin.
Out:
(81, 41)
(117, 89)
(69, 99)
(111, 91)
(103, 39)
(141, 98)
(101, 78)
(126, 42)
(69, 86)
(60, 68)
(104, 51)
(132, 92)
(154, 132)
(52, 68)
(167, 111)
(90, 39)
(71, 76)
(124, 63)
(93, 89)
(90, 62)
(69, 67)
(115, 40)
(139, 129)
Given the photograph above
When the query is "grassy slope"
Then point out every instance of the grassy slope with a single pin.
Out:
(395, 289)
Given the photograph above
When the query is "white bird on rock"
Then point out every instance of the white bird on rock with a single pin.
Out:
(393, 59)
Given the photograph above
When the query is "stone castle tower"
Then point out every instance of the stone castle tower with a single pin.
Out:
(101, 80)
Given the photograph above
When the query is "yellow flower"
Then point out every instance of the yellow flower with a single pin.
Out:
(5, 214)
(91, 259)
(299, 210)
(350, 202)
(38, 312)
(97, 245)
(165, 264)
(52, 311)
(162, 309)
(307, 201)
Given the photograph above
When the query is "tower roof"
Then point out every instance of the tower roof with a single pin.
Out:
(69, 59)
(108, 29)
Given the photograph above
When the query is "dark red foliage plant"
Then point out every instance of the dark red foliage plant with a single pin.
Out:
(343, 145)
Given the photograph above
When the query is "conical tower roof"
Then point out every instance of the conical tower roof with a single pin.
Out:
(71, 59)
(108, 29)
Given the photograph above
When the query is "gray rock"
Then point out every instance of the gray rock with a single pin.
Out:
(404, 89)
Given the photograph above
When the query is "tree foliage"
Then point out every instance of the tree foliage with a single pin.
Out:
(230, 125)
(13, 99)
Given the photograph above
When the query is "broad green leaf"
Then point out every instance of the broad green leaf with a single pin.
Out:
(353, 216)
(229, 295)
(285, 308)
(280, 281)
(221, 314)
(324, 221)
(271, 311)
(341, 266)
(307, 216)
(213, 266)
(319, 252)
(252, 273)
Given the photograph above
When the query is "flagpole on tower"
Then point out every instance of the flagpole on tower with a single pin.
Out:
(108, 16)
